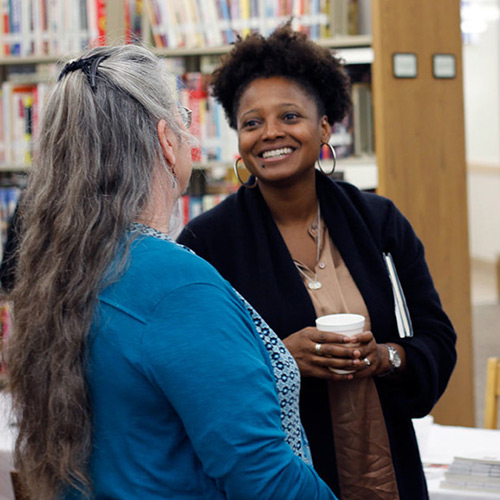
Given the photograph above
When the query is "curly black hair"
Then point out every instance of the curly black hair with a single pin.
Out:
(289, 54)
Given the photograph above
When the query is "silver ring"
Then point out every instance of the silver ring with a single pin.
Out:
(317, 349)
(367, 362)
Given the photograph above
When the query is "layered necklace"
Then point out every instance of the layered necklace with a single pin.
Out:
(313, 283)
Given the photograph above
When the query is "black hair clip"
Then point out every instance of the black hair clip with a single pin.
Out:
(88, 65)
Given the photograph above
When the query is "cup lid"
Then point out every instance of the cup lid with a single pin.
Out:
(344, 321)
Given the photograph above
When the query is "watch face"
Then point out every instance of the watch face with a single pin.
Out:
(396, 360)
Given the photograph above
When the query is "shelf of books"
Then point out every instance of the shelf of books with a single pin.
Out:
(191, 24)
(36, 35)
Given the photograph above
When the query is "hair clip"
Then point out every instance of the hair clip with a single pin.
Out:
(88, 65)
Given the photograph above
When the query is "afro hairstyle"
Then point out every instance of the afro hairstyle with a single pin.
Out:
(284, 53)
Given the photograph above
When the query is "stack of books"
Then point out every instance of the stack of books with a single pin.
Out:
(473, 474)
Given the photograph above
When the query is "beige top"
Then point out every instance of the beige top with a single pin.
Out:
(364, 460)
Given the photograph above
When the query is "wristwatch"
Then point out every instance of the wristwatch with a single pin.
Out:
(394, 360)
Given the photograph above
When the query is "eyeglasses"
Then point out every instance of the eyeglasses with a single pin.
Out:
(186, 115)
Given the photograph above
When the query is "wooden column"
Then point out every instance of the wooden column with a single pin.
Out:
(420, 147)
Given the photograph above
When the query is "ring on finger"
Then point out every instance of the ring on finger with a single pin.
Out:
(317, 349)
(367, 362)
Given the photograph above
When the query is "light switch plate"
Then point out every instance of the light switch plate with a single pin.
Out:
(444, 66)
(405, 65)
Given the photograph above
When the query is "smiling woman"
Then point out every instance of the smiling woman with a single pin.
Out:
(298, 245)
(282, 136)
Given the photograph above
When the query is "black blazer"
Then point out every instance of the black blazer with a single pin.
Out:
(239, 237)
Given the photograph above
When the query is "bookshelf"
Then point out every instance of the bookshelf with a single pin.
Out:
(419, 142)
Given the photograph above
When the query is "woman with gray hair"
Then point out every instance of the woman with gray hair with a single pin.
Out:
(136, 370)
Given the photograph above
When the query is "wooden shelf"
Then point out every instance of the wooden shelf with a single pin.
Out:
(14, 167)
(361, 171)
(341, 42)
(32, 60)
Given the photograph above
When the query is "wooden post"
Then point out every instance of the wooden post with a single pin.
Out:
(420, 147)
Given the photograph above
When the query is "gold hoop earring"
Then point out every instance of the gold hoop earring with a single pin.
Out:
(238, 175)
(334, 156)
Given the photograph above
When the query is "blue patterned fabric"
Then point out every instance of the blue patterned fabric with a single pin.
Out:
(286, 371)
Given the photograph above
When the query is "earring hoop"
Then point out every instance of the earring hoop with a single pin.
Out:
(239, 178)
(334, 159)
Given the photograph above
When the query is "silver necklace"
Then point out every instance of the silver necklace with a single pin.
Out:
(314, 284)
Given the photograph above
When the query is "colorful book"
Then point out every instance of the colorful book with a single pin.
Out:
(15, 19)
(225, 24)
(4, 28)
(4, 332)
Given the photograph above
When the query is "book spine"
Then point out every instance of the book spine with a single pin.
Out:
(92, 23)
(101, 21)
(44, 28)
(245, 17)
(5, 117)
(128, 32)
(28, 127)
(352, 16)
(2, 129)
(4, 334)
(4, 28)
(15, 26)
(37, 27)
(152, 11)
(225, 21)
(196, 97)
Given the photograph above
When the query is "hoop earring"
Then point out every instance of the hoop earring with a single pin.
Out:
(239, 178)
(334, 158)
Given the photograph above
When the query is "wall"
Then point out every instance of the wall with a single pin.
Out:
(481, 62)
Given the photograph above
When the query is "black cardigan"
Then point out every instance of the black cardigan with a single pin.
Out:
(239, 237)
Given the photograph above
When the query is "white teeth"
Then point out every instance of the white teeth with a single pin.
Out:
(275, 153)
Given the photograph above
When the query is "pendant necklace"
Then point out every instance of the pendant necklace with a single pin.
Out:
(314, 284)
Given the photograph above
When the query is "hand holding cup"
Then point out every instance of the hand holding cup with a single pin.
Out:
(345, 324)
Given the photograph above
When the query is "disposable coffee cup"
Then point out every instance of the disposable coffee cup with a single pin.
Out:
(345, 324)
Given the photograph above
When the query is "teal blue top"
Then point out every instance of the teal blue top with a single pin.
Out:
(182, 389)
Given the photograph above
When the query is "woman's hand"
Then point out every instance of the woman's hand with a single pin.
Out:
(317, 353)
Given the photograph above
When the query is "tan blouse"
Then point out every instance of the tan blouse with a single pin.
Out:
(364, 460)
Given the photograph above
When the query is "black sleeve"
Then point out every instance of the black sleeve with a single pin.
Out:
(194, 237)
(430, 353)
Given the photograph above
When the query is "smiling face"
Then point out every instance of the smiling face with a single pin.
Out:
(279, 130)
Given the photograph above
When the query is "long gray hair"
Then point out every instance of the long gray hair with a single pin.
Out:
(92, 176)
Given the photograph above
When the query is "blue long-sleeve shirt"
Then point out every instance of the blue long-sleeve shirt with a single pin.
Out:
(182, 390)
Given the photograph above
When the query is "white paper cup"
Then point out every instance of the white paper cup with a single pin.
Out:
(346, 324)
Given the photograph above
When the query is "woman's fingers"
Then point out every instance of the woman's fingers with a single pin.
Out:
(322, 354)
